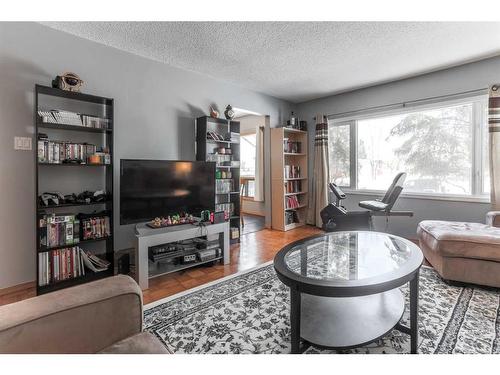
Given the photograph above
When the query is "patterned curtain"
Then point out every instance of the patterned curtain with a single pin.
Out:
(494, 130)
(318, 198)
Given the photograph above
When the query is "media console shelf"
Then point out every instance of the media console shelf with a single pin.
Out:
(147, 237)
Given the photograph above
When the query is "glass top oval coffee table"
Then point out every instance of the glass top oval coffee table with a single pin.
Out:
(344, 288)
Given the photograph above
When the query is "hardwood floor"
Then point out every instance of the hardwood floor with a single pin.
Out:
(253, 223)
(255, 248)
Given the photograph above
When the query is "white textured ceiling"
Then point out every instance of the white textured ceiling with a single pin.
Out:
(299, 61)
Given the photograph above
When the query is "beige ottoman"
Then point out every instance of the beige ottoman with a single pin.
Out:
(465, 252)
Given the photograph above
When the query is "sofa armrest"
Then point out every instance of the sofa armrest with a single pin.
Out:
(83, 319)
(493, 218)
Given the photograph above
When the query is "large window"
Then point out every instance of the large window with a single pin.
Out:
(442, 147)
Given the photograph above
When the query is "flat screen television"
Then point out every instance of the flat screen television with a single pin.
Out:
(161, 188)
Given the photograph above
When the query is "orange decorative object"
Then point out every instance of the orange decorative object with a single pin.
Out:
(94, 159)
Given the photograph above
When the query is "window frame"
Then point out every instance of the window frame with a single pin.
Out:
(479, 118)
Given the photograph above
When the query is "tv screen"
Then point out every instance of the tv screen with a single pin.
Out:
(161, 188)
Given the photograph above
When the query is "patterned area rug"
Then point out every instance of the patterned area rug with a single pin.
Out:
(249, 313)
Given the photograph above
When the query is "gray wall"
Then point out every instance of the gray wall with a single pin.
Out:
(155, 107)
(445, 82)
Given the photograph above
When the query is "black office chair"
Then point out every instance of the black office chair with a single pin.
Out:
(391, 196)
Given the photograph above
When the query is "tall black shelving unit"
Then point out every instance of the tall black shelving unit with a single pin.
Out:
(206, 150)
(47, 98)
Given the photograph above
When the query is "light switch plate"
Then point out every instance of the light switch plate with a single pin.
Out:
(22, 143)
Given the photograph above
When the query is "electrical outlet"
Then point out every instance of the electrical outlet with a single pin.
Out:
(22, 143)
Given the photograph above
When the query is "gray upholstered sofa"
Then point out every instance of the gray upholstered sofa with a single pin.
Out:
(104, 316)
(464, 252)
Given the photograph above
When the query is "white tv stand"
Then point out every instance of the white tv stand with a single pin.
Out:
(147, 237)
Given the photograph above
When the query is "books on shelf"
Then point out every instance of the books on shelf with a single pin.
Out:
(58, 230)
(292, 202)
(292, 171)
(55, 116)
(59, 265)
(293, 186)
(292, 147)
(68, 263)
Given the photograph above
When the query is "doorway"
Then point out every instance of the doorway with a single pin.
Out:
(254, 207)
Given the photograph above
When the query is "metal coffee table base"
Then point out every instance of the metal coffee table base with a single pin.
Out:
(349, 322)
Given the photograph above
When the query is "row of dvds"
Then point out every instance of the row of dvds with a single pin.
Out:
(293, 186)
(219, 158)
(222, 198)
(228, 208)
(57, 152)
(95, 227)
(292, 171)
(293, 147)
(58, 230)
(63, 229)
(223, 186)
(71, 118)
(292, 202)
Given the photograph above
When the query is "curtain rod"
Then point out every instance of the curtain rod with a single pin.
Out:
(408, 103)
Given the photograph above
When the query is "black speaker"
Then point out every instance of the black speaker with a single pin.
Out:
(124, 264)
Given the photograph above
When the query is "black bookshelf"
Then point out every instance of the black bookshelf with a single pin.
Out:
(48, 98)
(205, 149)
